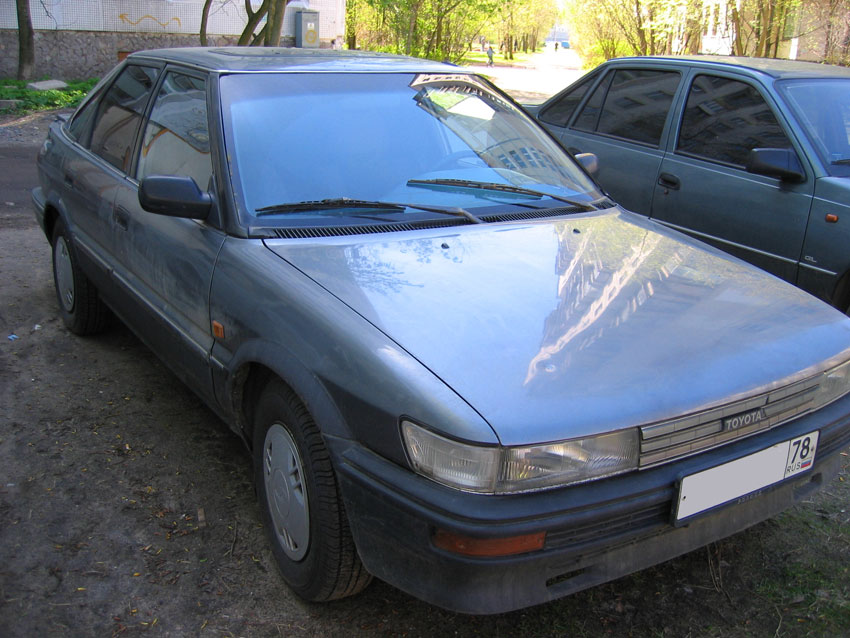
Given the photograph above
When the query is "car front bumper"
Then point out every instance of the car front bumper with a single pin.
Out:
(595, 532)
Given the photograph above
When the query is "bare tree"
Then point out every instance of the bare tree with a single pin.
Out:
(268, 35)
(26, 41)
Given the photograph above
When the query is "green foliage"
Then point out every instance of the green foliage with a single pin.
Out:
(446, 29)
(43, 100)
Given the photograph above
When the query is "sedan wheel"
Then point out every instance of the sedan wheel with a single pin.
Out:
(285, 492)
(300, 502)
(80, 305)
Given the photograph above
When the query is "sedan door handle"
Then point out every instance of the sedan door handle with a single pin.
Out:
(121, 218)
(69, 180)
(670, 181)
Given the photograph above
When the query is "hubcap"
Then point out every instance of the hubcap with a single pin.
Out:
(286, 493)
(64, 274)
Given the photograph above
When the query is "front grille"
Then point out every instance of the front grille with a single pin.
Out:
(626, 527)
(680, 437)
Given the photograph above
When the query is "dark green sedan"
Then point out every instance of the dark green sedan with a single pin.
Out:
(751, 155)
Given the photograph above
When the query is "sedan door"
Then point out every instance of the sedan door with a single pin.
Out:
(704, 188)
(166, 263)
(620, 118)
(94, 167)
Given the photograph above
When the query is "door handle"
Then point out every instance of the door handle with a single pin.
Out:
(68, 178)
(667, 180)
(121, 218)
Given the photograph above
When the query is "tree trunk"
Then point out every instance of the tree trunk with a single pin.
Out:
(254, 18)
(26, 41)
(275, 22)
(205, 16)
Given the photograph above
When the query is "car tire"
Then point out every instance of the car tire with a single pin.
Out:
(300, 501)
(80, 306)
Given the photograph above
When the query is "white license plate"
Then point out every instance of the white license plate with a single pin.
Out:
(734, 480)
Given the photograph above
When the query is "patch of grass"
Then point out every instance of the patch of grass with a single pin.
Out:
(11, 89)
(812, 587)
(480, 57)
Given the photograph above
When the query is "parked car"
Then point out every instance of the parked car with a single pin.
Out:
(458, 365)
(751, 155)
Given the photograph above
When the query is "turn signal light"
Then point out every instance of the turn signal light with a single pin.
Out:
(469, 546)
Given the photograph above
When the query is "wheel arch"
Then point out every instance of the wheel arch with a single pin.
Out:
(841, 293)
(260, 364)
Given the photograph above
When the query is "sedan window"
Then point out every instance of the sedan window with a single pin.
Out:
(388, 132)
(823, 108)
(120, 113)
(725, 119)
(559, 113)
(176, 139)
(635, 105)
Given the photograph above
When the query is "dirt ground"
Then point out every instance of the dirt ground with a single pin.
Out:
(126, 507)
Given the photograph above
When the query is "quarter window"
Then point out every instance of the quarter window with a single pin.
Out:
(176, 139)
(80, 126)
(634, 106)
(120, 113)
(561, 111)
(725, 119)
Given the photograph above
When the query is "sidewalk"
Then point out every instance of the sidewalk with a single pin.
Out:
(543, 75)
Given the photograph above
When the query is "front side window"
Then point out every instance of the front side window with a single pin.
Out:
(120, 113)
(176, 139)
(392, 137)
(725, 119)
(633, 107)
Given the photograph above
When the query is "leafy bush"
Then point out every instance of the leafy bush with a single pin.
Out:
(43, 100)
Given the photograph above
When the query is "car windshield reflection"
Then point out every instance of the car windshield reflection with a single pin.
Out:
(824, 110)
(388, 129)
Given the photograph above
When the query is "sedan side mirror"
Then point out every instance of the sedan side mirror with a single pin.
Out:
(174, 196)
(589, 162)
(781, 163)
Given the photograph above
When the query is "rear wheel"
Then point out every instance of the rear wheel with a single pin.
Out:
(81, 308)
(300, 501)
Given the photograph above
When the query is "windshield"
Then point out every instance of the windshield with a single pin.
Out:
(823, 107)
(294, 137)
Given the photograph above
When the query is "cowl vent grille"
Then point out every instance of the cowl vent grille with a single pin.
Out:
(313, 232)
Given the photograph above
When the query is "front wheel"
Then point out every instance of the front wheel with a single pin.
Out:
(80, 305)
(300, 502)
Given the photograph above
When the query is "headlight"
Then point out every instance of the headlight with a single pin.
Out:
(834, 384)
(499, 470)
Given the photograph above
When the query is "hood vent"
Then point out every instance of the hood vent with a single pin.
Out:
(314, 232)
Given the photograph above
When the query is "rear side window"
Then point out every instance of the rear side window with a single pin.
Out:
(634, 105)
(176, 139)
(560, 112)
(725, 119)
(80, 126)
(120, 113)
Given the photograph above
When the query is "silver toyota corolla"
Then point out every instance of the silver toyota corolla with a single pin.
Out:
(459, 366)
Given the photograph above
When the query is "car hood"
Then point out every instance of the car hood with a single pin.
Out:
(579, 325)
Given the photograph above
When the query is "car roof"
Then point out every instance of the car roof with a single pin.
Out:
(238, 59)
(779, 69)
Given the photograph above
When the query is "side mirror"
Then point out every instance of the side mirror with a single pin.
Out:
(781, 163)
(174, 196)
(589, 162)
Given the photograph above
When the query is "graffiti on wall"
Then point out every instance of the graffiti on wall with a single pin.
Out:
(226, 17)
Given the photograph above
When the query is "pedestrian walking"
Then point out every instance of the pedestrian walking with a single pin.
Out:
(489, 55)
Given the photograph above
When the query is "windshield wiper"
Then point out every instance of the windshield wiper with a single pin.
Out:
(345, 202)
(843, 160)
(507, 188)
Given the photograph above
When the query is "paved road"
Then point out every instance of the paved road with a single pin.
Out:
(542, 76)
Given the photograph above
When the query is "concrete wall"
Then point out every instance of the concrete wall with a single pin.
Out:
(78, 55)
